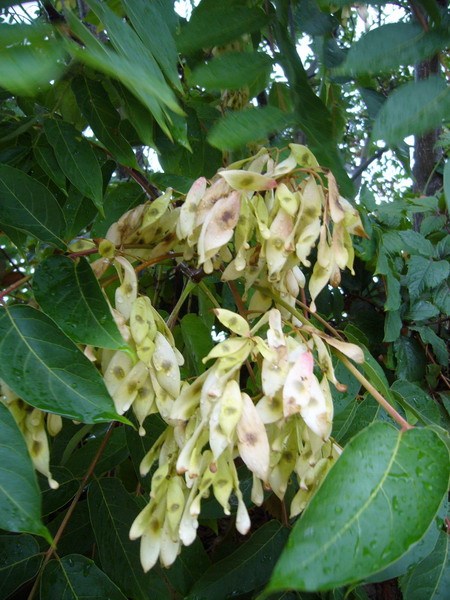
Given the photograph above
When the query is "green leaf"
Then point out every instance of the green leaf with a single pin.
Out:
(447, 184)
(79, 211)
(342, 399)
(376, 502)
(441, 297)
(412, 109)
(197, 339)
(311, 115)
(177, 182)
(251, 124)
(309, 18)
(422, 311)
(52, 500)
(78, 535)
(68, 291)
(145, 85)
(372, 370)
(115, 453)
(416, 243)
(75, 577)
(47, 370)
(30, 58)
(103, 118)
(424, 273)
(112, 511)
(245, 569)
(20, 500)
(28, 207)
(217, 24)
(430, 579)
(232, 71)
(417, 553)
(138, 113)
(373, 101)
(119, 199)
(417, 399)
(410, 359)
(394, 299)
(190, 565)
(20, 559)
(433, 223)
(151, 21)
(128, 46)
(392, 326)
(46, 159)
(76, 159)
(357, 415)
(439, 346)
(386, 47)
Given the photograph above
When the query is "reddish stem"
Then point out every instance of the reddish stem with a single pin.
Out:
(14, 286)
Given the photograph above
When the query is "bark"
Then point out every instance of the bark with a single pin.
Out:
(426, 156)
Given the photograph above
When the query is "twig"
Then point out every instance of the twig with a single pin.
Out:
(144, 265)
(320, 319)
(14, 286)
(139, 178)
(363, 166)
(156, 260)
(238, 300)
(190, 285)
(71, 508)
(359, 376)
(83, 252)
(419, 15)
(369, 387)
(10, 260)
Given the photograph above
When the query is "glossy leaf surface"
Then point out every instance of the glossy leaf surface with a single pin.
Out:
(20, 559)
(45, 368)
(69, 293)
(356, 525)
(430, 579)
(76, 577)
(29, 207)
(20, 501)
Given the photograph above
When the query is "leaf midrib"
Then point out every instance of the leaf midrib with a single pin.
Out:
(47, 368)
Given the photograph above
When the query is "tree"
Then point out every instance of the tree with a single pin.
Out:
(246, 339)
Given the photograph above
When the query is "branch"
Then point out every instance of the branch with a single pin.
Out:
(369, 387)
(14, 286)
(359, 376)
(419, 15)
(363, 166)
(71, 508)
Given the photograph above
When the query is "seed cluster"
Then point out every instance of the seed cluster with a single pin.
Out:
(258, 220)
